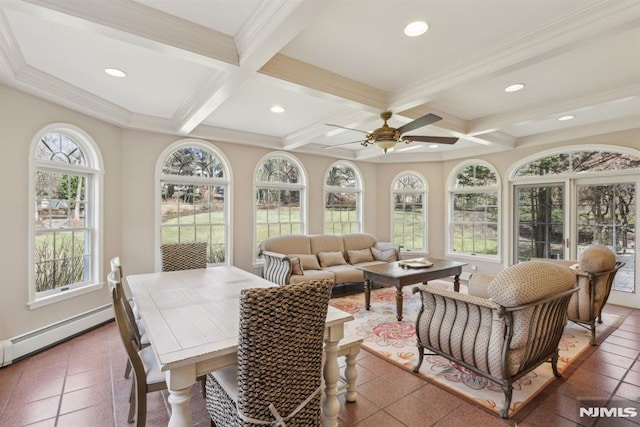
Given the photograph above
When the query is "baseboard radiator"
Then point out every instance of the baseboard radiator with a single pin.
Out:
(23, 345)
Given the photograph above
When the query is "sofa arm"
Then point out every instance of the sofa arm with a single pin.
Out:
(277, 267)
(460, 326)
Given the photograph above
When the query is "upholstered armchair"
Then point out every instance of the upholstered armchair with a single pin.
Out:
(504, 335)
(595, 270)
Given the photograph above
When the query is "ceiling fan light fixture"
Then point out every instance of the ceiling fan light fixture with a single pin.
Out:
(386, 145)
(514, 87)
(416, 28)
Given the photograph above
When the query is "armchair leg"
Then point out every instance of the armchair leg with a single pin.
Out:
(554, 364)
(508, 394)
(592, 326)
(420, 357)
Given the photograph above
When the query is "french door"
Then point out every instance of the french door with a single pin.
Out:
(559, 219)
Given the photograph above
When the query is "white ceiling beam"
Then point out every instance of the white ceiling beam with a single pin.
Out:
(320, 130)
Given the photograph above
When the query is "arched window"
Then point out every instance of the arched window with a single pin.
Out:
(194, 190)
(342, 199)
(474, 212)
(409, 211)
(65, 252)
(280, 183)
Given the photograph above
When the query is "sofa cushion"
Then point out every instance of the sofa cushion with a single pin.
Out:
(312, 275)
(296, 266)
(291, 244)
(346, 273)
(358, 241)
(388, 255)
(357, 256)
(326, 243)
(307, 261)
(327, 259)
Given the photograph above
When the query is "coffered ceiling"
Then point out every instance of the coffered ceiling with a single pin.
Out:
(213, 69)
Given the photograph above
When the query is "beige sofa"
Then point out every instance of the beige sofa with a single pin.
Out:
(298, 258)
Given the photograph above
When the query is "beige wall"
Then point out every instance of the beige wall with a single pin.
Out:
(130, 159)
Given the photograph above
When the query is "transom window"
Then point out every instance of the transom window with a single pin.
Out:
(194, 189)
(474, 210)
(408, 210)
(343, 198)
(65, 251)
(280, 185)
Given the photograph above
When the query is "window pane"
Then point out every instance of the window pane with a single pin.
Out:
(193, 161)
(59, 148)
(278, 169)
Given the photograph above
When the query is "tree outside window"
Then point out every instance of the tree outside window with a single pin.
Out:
(409, 220)
(342, 200)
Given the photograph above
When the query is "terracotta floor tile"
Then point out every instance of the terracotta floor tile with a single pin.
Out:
(469, 415)
(85, 398)
(629, 391)
(412, 411)
(30, 412)
(618, 349)
(97, 415)
(627, 335)
(352, 413)
(380, 419)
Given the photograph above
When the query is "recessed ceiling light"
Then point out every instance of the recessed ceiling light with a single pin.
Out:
(565, 118)
(434, 146)
(277, 109)
(514, 88)
(114, 72)
(416, 28)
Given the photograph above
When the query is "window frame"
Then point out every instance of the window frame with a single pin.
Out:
(226, 181)
(452, 190)
(358, 190)
(302, 186)
(94, 172)
(424, 192)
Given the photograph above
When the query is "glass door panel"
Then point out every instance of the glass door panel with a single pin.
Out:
(606, 215)
(539, 228)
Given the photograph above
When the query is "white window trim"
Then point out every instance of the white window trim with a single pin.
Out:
(358, 190)
(302, 186)
(425, 208)
(451, 189)
(95, 167)
(227, 181)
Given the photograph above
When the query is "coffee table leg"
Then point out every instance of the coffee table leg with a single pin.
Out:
(367, 293)
(399, 303)
(456, 283)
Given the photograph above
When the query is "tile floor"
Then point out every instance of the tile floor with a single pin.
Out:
(80, 383)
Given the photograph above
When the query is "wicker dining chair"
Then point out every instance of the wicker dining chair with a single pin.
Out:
(147, 376)
(183, 256)
(278, 375)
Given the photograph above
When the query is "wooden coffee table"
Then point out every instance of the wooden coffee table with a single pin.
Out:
(398, 276)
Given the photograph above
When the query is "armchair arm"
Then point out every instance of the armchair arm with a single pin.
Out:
(277, 267)
(460, 327)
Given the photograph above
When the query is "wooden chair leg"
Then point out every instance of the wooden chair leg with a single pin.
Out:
(127, 371)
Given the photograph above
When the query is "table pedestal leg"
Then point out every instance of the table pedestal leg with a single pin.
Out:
(367, 293)
(399, 303)
(179, 382)
(331, 404)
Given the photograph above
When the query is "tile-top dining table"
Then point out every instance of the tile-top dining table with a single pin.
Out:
(192, 319)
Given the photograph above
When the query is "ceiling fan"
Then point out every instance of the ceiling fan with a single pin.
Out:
(387, 137)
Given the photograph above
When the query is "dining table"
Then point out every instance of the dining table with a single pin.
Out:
(192, 320)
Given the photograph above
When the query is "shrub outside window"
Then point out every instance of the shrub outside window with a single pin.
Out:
(474, 211)
(194, 197)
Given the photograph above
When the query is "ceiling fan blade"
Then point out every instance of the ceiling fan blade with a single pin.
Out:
(434, 139)
(419, 122)
(344, 127)
(329, 147)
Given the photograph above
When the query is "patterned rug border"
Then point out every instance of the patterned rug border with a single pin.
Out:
(543, 372)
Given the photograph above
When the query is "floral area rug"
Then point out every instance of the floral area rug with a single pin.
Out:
(396, 342)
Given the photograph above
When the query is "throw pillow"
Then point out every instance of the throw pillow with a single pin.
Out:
(327, 259)
(356, 256)
(388, 255)
(296, 266)
(307, 261)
